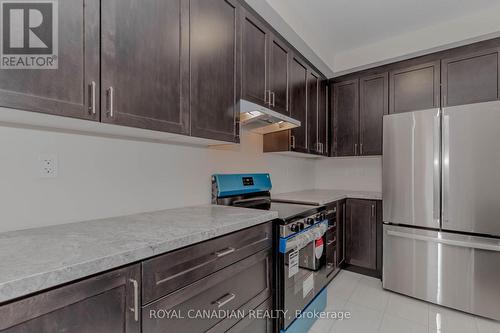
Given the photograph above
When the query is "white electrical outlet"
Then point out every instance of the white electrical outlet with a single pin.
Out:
(48, 165)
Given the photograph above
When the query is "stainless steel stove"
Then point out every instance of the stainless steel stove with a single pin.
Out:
(301, 272)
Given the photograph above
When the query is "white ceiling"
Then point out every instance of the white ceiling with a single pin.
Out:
(330, 27)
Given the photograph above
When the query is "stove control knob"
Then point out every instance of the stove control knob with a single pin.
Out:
(294, 227)
(301, 225)
(310, 221)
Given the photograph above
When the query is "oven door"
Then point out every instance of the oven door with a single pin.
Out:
(301, 282)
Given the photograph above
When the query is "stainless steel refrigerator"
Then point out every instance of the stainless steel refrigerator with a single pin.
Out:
(441, 206)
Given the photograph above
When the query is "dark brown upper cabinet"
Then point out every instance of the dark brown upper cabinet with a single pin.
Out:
(255, 53)
(312, 112)
(70, 90)
(145, 64)
(298, 104)
(361, 233)
(374, 104)
(108, 303)
(345, 118)
(471, 78)
(265, 61)
(323, 125)
(415, 88)
(279, 60)
(215, 70)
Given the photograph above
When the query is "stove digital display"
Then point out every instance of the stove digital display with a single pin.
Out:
(248, 181)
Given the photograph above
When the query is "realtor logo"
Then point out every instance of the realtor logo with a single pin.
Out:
(29, 34)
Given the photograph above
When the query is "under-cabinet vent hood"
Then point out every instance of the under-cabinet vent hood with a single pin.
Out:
(259, 119)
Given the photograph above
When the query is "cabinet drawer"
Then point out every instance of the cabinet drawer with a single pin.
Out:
(167, 273)
(256, 325)
(242, 286)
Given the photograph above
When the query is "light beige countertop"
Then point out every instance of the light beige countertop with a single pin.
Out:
(321, 197)
(36, 259)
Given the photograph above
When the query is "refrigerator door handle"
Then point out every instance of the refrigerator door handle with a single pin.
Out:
(445, 166)
(437, 169)
(470, 245)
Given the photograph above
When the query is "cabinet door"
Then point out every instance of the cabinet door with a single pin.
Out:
(323, 117)
(254, 53)
(215, 73)
(341, 229)
(279, 60)
(67, 90)
(346, 118)
(298, 104)
(374, 104)
(361, 233)
(472, 78)
(102, 304)
(312, 112)
(145, 64)
(414, 88)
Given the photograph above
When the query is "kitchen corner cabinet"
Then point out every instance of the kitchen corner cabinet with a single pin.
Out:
(415, 88)
(373, 105)
(345, 124)
(145, 79)
(470, 78)
(107, 303)
(70, 90)
(215, 69)
(358, 109)
(363, 236)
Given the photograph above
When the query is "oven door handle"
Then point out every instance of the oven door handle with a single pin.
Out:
(302, 239)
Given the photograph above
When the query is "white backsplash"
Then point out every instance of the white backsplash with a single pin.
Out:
(350, 173)
(101, 177)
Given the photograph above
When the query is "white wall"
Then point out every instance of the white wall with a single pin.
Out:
(350, 173)
(101, 177)
(475, 26)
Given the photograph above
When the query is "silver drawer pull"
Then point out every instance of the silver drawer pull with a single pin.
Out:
(330, 242)
(110, 95)
(224, 300)
(225, 252)
(135, 308)
(92, 109)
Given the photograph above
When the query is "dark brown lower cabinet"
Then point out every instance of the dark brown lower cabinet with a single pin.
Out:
(107, 303)
(242, 286)
(251, 324)
(363, 241)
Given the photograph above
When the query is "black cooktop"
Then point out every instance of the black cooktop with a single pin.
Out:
(288, 212)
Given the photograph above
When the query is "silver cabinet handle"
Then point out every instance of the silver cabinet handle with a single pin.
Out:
(225, 252)
(361, 149)
(92, 109)
(273, 99)
(267, 97)
(373, 210)
(292, 139)
(224, 300)
(355, 149)
(109, 94)
(330, 242)
(135, 308)
(471, 245)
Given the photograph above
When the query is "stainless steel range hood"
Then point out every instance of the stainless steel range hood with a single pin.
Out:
(259, 119)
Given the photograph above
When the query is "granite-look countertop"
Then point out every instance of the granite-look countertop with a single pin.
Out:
(323, 197)
(36, 259)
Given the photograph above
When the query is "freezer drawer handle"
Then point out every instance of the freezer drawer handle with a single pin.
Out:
(479, 246)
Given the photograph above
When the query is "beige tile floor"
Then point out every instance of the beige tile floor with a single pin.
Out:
(374, 310)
